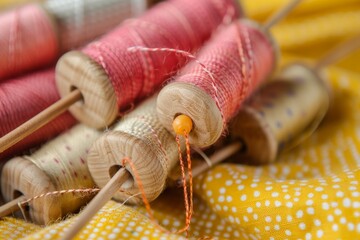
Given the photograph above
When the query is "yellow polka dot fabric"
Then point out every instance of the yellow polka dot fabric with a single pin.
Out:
(310, 192)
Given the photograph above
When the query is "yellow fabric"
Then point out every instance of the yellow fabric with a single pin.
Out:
(311, 192)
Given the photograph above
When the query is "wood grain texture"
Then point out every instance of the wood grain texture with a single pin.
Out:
(21, 176)
(151, 148)
(77, 71)
(183, 98)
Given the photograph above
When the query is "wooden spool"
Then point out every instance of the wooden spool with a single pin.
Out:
(141, 138)
(58, 165)
(281, 113)
(98, 108)
(183, 98)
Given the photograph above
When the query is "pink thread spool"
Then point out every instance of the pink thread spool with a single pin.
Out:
(24, 97)
(111, 78)
(211, 89)
(35, 35)
(107, 77)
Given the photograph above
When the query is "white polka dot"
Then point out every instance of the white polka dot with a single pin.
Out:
(267, 228)
(289, 204)
(256, 194)
(253, 185)
(221, 199)
(228, 183)
(275, 194)
(268, 188)
(310, 210)
(310, 195)
(255, 216)
(317, 222)
(347, 202)
(325, 206)
(112, 236)
(258, 204)
(288, 232)
(240, 187)
(278, 218)
(299, 214)
(277, 203)
(222, 190)
(339, 194)
(319, 189)
(277, 227)
(249, 210)
(324, 196)
(343, 220)
(302, 226)
(308, 236)
(243, 197)
(309, 202)
(319, 233)
(351, 226)
(208, 193)
(289, 218)
(246, 219)
(335, 227)
(229, 199)
(234, 209)
(338, 211)
(267, 203)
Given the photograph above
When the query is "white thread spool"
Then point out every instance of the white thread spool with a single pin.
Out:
(80, 21)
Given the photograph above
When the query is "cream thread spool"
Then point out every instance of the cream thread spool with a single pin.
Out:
(80, 21)
(58, 165)
(275, 116)
(151, 148)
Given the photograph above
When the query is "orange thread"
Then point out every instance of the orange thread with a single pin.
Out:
(188, 159)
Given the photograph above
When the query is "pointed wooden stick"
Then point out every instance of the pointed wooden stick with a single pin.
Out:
(279, 15)
(11, 206)
(339, 52)
(105, 194)
(216, 158)
(39, 120)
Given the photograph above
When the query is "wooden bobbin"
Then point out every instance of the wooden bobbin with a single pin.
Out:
(22, 177)
(183, 98)
(281, 113)
(58, 165)
(150, 147)
(75, 70)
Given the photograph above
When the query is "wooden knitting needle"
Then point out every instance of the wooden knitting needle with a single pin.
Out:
(11, 206)
(39, 120)
(105, 194)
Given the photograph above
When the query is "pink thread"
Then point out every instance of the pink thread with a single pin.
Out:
(24, 97)
(175, 24)
(239, 58)
(27, 40)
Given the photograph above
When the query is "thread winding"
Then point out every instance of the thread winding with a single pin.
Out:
(179, 24)
(236, 61)
(22, 98)
(27, 40)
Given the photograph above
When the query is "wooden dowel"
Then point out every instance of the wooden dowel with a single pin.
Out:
(216, 158)
(39, 120)
(11, 206)
(338, 52)
(105, 194)
(279, 15)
